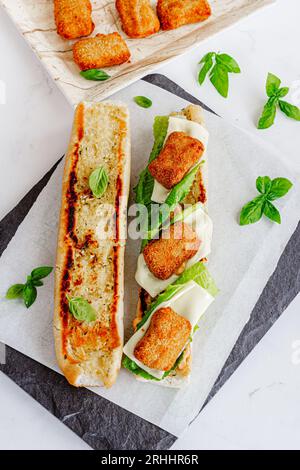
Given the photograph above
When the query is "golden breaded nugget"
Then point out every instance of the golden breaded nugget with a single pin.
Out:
(73, 18)
(103, 50)
(138, 18)
(166, 255)
(164, 340)
(175, 13)
(179, 154)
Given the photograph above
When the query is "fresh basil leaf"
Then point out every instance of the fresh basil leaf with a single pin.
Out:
(207, 57)
(37, 283)
(41, 273)
(253, 211)
(95, 74)
(15, 291)
(282, 92)
(98, 181)
(176, 195)
(181, 190)
(29, 295)
(271, 212)
(143, 101)
(263, 184)
(207, 65)
(228, 62)
(272, 85)
(279, 188)
(290, 110)
(219, 79)
(268, 115)
(81, 309)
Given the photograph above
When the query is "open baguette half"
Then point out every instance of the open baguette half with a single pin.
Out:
(198, 193)
(91, 244)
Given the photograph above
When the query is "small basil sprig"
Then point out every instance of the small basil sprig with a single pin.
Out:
(143, 101)
(269, 190)
(219, 66)
(275, 93)
(176, 195)
(95, 74)
(28, 291)
(81, 309)
(98, 181)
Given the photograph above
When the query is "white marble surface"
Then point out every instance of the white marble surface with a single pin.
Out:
(258, 406)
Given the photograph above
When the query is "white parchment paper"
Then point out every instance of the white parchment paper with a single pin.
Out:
(242, 260)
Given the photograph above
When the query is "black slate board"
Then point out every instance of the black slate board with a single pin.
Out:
(100, 423)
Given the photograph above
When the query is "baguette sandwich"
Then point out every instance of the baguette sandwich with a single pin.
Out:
(88, 311)
(176, 287)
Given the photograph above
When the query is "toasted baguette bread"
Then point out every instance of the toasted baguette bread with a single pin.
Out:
(90, 262)
(198, 193)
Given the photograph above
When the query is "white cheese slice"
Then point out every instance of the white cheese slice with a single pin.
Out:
(202, 224)
(191, 303)
(191, 128)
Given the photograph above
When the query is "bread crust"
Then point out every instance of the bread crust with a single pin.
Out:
(89, 354)
(138, 18)
(198, 193)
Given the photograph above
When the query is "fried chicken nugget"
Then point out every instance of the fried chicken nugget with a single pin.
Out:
(73, 18)
(175, 160)
(165, 256)
(138, 18)
(164, 340)
(103, 50)
(175, 13)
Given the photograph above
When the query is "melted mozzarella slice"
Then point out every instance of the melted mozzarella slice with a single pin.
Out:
(191, 128)
(191, 303)
(202, 224)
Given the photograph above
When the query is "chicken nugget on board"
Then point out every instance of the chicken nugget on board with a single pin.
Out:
(175, 13)
(165, 256)
(179, 154)
(138, 18)
(164, 340)
(104, 50)
(73, 18)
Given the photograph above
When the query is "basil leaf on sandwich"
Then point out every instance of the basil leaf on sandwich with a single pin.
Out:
(81, 309)
(177, 194)
(98, 181)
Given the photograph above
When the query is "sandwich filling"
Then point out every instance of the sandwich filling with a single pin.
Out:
(185, 143)
(150, 350)
(158, 264)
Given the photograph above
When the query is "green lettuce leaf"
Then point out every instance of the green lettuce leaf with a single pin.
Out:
(197, 273)
(130, 365)
(144, 188)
